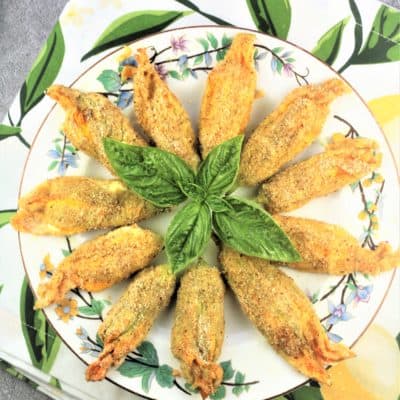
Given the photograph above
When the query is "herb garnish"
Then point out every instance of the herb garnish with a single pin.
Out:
(165, 180)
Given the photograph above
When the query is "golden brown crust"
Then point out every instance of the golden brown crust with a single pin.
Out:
(288, 130)
(101, 263)
(198, 330)
(229, 95)
(330, 249)
(342, 163)
(161, 114)
(90, 117)
(131, 318)
(73, 204)
(282, 313)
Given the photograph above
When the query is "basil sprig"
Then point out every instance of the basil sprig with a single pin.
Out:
(165, 180)
(154, 174)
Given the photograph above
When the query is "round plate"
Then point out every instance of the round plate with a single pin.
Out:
(252, 368)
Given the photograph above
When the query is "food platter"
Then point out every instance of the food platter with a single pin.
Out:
(252, 369)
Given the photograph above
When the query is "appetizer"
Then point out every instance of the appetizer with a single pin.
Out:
(100, 263)
(131, 318)
(282, 313)
(198, 330)
(286, 132)
(330, 249)
(90, 117)
(343, 162)
(229, 95)
(160, 113)
(74, 204)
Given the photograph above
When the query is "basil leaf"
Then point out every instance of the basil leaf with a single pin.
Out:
(193, 191)
(217, 204)
(218, 171)
(154, 174)
(252, 231)
(187, 235)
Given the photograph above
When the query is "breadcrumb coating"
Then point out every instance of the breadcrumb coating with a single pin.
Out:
(161, 114)
(229, 95)
(282, 313)
(90, 117)
(330, 249)
(100, 263)
(343, 162)
(288, 130)
(131, 318)
(198, 331)
(73, 204)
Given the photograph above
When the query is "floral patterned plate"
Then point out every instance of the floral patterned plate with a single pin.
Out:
(368, 209)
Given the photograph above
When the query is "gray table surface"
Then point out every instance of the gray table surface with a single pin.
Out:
(24, 27)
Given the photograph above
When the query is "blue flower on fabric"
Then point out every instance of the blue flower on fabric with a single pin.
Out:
(338, 313)
(63, 160)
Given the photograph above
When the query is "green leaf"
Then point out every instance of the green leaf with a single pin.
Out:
(146, 380)
(154, 174)
(194, 191)
(131, 369)
(383, 42)
(149, 353)
(226, 41)
(272, 17)
(99, 341)
(43, 72)
(185, 73)
(52, 165)
(1, 288)
(219, 394)
(217, 173)
(65, 253)
(164, 376)
(212, 39)
(40, 338)
(328, 45)
(55, 383)
(252, 231)
(279, 65)
(358, 35)
(190, 388)
(175, 75)
(133, 26)
(239, 378)
(221, 55)
(398, 339)
(7, 131)
(211, 17)
(199, 59)
(110, 80)
(228, 370)
(87, 310)
(307, 393)
(187, 235)
(5, 216)
(218, 204)
(204, 43)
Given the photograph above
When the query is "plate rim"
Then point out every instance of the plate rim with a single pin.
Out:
(218, 27)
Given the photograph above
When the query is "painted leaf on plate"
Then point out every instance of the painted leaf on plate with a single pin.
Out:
(133, 26)
(40, 338)
(306, 393)
(272, 17)
(43, 72)
(5, 216)
(328, 45)
(7, 131)
(383, 41)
